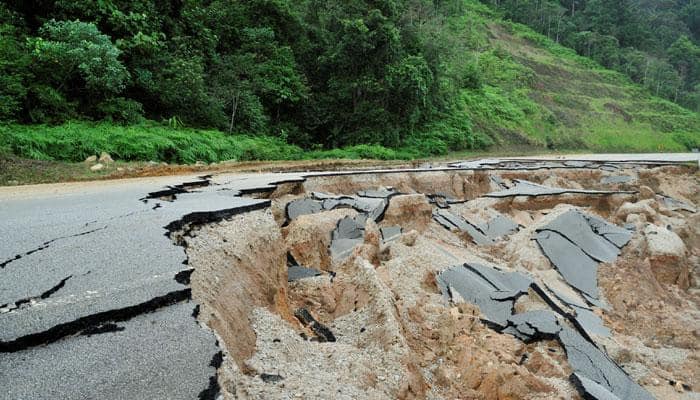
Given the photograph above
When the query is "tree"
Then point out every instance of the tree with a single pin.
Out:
(77, 53)
(14, 65)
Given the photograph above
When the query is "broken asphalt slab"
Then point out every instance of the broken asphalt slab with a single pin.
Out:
(495, 293)
(575, 242)
(526, 188)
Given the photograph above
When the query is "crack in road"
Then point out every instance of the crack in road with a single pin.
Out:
(46, 245)
(19, 304)
(79, 325)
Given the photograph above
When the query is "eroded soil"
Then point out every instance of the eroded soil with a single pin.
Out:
(382, 328)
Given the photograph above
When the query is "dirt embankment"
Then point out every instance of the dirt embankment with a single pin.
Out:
(374, 322)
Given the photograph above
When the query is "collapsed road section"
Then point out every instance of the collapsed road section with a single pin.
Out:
(488, 280)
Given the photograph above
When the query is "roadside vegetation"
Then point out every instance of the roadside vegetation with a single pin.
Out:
(209, 81)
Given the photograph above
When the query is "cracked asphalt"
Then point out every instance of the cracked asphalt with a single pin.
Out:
(89, 303)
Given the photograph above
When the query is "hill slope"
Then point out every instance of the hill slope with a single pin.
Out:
(538, 92)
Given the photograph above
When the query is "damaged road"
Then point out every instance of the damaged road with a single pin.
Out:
(124, 289)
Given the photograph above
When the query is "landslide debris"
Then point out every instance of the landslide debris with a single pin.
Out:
(511, 280)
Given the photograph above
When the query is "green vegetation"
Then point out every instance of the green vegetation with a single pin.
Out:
(655, 43)
(187, 81)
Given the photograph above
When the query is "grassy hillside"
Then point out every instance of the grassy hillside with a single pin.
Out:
(540, 93)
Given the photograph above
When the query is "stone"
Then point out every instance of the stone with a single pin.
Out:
(667, 256)
(643, 207)
(91, 159)
(662, 242)
(105, 158)
(645, 192)
(97, 167)
(409, 238)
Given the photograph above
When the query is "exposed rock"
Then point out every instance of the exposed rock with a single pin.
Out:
(410, 211)
(646, 207)
(667, 254)
(409, 238)
(105, 158)
(97, 167)
(645, 192)
(662, 242)
(91, 159)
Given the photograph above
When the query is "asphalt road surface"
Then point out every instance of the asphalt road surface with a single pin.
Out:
(94, 296)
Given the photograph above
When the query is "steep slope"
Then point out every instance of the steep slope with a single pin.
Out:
(534, 91)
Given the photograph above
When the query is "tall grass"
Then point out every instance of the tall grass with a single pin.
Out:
(75, 141)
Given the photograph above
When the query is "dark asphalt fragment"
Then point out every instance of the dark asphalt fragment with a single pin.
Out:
(495, 292)
(271, 378)
(577, 268)
(534, 325)
(297, 272)
(381, 193)
(451, 221)
(675, 204)
(575, 241)
(614, 234)
(526, 188)
(390, 233)
(500, 226)
(323, 333)
(305, 206)
(373, 207)
(576, 228)
(589, 362)
(590, 322)
(349, 232)
(590, 389)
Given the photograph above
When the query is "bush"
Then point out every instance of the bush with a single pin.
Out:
(121, 110)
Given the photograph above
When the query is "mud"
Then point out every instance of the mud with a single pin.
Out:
(381, 319)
